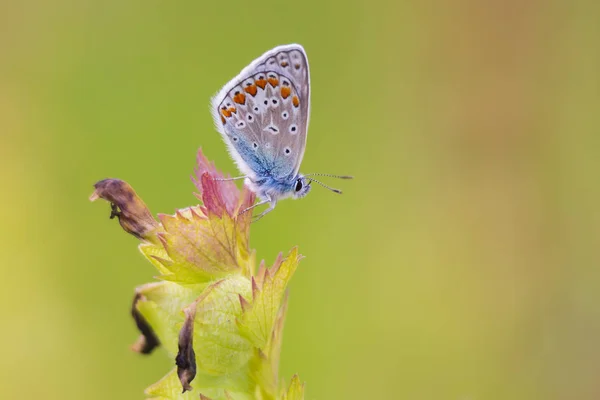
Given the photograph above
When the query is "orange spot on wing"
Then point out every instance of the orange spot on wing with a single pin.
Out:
(232, 110)
(295, 101)
(274, 81)
(226, 112)
(284, 64)
(251, 89)
(240, 98)
(285, 92)
(261, 83)
(223, 120)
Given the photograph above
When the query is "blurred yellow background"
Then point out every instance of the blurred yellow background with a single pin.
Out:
(461, 263)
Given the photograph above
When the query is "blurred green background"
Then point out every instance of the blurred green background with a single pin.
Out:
(461, 263)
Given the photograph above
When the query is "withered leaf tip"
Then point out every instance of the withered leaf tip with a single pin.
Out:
(148, 340)
(186, 357)
(127, 206)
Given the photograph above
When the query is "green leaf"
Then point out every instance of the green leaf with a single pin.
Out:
(264, 366)
(295, 390)
(234, 386)
(201, 248)
(169, 387)
(161, 307)
(220, 348)
(268, 288)
(157, 255)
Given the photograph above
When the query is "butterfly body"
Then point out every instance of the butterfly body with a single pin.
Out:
(262, 115)
(275, 189)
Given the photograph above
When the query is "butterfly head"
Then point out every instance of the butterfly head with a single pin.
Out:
(301, 187)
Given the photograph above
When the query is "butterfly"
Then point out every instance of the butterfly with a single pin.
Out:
(263, 116)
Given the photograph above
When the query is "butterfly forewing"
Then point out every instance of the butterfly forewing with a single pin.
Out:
(263, 113)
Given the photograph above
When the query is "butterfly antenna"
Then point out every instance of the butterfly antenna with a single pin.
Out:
(325, 186)
(332, 176)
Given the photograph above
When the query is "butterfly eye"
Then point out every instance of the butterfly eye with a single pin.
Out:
(298, 186)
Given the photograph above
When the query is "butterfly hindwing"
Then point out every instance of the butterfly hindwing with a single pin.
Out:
(263, 113)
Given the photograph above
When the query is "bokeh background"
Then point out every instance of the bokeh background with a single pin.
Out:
(461, 263)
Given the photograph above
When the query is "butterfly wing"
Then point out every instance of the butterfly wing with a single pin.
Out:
(263, 113)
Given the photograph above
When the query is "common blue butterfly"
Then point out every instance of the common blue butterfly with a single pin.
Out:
(263, 116)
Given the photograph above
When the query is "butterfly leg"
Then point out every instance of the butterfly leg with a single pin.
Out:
(268, 210)
(229, 179)
(260, 203)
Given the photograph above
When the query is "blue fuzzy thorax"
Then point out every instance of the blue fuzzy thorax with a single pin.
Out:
(275, 187)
